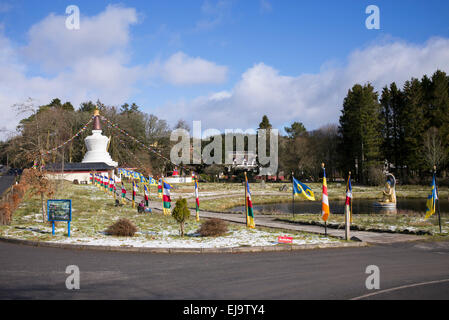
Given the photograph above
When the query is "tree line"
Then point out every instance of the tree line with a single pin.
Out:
(48, 126)
(401, 130)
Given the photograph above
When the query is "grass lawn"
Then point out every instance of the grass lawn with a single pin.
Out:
(402, 222)
(94, 211)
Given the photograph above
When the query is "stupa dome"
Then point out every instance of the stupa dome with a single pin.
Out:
(97, 145)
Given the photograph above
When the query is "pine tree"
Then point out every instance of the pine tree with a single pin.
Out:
(414, 126)
(392, 115)
(440, 106)
(360, 135)
(265, 124)
(295, 130)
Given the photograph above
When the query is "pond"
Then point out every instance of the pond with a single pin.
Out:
(359, 206)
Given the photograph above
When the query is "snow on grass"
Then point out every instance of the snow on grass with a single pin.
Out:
(167, 239)
(94, 211)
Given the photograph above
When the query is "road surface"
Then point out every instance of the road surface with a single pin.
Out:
(412, 270)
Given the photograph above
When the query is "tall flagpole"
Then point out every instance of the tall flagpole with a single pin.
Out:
(348, 211)
(325, 221)
(114, 187)
(133, 204)
(438, 196)
(162, 188)
(246, 200)
(293, 195)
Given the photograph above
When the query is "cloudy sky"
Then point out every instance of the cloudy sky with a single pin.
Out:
(224, 62)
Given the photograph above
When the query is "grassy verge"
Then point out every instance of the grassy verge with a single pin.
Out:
(94, 211)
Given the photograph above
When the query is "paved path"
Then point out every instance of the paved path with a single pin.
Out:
(416, 270)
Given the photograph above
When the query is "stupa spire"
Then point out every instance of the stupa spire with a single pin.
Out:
(97, 124)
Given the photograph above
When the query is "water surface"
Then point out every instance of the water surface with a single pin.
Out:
(359, 206)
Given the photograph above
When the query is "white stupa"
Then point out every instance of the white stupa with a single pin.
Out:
(97, 145)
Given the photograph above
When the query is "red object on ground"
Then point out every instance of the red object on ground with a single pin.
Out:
(285, 239)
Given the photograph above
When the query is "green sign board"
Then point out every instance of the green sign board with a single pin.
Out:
(59, 210)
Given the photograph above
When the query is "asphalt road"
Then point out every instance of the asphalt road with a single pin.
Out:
(39, 273)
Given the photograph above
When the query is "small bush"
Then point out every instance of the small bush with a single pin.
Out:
(181, 213)
(122, 228)
(213, 228)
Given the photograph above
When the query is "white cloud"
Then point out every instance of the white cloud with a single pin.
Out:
(54, 46)
(180, 69)
(314, 99)
(86, 64)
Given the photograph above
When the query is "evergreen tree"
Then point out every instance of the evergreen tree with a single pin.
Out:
(393, 119)
(265, 124)
(414, 126)
(295, 130)
(360, 131)
(440, 106)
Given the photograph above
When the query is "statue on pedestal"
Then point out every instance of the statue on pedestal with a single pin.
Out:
(388, 194)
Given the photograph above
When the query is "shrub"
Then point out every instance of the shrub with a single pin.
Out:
(213, 228)
(181, 213)
(122, 228)
(11, 201)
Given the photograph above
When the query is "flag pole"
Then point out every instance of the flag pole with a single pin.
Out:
(113, 187)
(438, 196)
(348, 211)
(325, 221)
(162, 188)
(293, 196)
(246, 200)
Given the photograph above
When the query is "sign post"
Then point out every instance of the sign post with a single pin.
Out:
(59, 210)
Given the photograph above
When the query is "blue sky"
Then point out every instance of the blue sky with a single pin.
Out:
(205, 60)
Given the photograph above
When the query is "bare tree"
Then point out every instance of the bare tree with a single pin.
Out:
(434, 154)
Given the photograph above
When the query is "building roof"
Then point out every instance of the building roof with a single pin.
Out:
(79, 166)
